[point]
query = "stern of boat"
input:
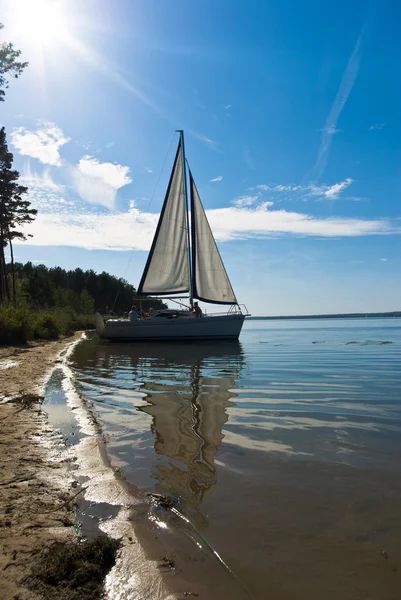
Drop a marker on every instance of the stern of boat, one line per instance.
(99, 323)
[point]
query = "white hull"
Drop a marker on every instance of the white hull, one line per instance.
(219, 327)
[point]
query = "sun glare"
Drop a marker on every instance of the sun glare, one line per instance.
(41, 22)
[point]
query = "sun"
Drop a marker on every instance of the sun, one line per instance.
(41, 22)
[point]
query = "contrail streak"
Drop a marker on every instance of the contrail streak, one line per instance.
(330, 128)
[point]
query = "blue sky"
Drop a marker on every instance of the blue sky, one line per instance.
(292, 118)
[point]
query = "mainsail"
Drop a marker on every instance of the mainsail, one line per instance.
(167, 267)
(210, 281)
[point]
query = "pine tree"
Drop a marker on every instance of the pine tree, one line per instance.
(15, 211)
(9, 64)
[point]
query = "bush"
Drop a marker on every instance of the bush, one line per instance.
(79, 322)
(19, 325)
(16, 325)
(48, 326)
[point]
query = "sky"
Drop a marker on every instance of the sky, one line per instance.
(292, 121)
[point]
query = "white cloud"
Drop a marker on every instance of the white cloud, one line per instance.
(383, 259)
(43, 144)
(98, 182)
(45, 194)
(228, 106)
(376, 126)
(279, 188)
(219, 178)
(331, 192)
(108, 231)
(114, 175)
(42, 181)
(232, 223)
(243, 201)
(149, 170)
(134, 229)
(65, 220)
(265, 204)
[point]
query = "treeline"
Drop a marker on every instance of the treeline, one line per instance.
(395, 313)
(82, 291)
(52, 301)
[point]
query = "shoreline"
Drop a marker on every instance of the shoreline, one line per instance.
(35, 479)
(38, 487)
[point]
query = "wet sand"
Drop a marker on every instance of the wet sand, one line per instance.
(34, 477)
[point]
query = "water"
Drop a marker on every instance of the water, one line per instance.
(283, 449)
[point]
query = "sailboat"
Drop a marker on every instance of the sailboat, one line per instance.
(183, 259)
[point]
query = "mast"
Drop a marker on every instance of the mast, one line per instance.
(184, 175)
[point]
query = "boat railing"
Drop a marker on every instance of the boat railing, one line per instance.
(235, 309)
(245, 311)
(238, 308)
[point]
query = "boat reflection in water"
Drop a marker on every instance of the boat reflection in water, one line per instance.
(188, 421)
(185, 389)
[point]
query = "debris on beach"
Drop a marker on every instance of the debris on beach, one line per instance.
(74, 570)
(168, 563)
(163, 501)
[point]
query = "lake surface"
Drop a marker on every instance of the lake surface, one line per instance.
(284, 449)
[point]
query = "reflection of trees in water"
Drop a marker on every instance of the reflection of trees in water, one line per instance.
(188, 416)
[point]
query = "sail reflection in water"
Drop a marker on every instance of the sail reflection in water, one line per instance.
(188, 422)
(162, 409)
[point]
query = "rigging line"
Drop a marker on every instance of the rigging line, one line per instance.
(147, 208)
(152, 196)
(162, 169)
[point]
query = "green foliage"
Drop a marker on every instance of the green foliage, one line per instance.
(14, 209)
(9, 64)
(38, 290)
(78, 290)
(20, 325)
(47, 326)
(16, 325)
(86, 303)
(15, 212)
(81, 322)
(54, 302)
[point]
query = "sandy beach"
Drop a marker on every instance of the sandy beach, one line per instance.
(34, 481)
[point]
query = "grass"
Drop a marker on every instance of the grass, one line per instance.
(73, 570)
(20, 325)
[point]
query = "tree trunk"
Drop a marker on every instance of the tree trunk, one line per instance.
(2, 291)
(5, 289)
(3, 275)
(12, 268)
